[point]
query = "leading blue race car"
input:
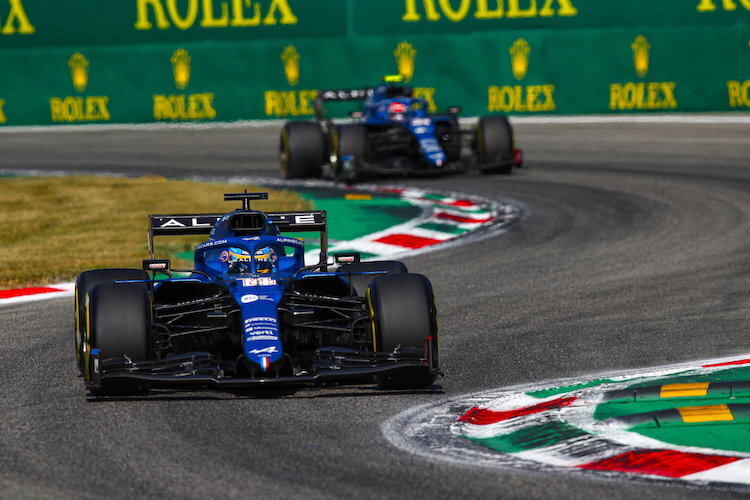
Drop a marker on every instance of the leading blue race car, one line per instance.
(393, 134)
(251, 313)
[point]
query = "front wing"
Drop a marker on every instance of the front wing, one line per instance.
(330, 364)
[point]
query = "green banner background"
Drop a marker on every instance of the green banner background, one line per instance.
(577, 56)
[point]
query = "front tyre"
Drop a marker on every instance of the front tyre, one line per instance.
(493, 144)
(85, 282)
(119, 325)
(402, 309)
(301, 150)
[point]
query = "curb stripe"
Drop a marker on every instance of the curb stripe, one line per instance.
(728, 363)
(482, 416)
(459, 218)
(667, 463)
(407, 240)
(21, 292)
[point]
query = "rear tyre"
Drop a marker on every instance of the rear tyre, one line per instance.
(360, 282)
(349, 144)
(301, 150)
(403, 314)
(120, 326)
(493, 144)
(84, 283)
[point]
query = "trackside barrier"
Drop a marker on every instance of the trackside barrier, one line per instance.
(221, 60)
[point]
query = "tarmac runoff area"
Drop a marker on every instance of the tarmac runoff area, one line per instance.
(380, 222)
(679, 423)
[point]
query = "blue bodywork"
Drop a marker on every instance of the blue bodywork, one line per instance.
(390, 105)
(250, 312)
(257, 293)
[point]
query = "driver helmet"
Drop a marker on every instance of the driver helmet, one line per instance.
(237, 259)
(397, 111)
(265, 260)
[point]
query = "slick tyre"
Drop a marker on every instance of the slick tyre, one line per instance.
(360, 282)
(120, 326)
(84, 283)
(402, 310)
(349, 141)
(301, 150)
(493, 144)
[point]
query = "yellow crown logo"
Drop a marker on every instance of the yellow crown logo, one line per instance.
(79, 71)
(641, 49)
(519, 58)
(405, 54)
(181, 68)
(290, 56)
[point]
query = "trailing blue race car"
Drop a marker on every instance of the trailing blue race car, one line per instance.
(393, 134)
(251, 313)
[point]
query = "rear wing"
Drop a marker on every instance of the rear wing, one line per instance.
(344, 94)
(286, 222)
(339, 95)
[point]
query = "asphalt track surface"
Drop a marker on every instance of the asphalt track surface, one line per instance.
(634, 252)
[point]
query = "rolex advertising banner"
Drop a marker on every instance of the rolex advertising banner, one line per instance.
(132, 61)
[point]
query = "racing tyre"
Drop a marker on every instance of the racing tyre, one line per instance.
(403, 315)
(493, 144)
(349, 143)
(84, 283)
(301, 150)
(120, 325)
(360, 282)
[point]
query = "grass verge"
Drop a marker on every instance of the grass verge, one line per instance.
(55, 227)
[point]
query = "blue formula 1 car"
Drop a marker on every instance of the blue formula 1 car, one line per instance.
(251, 313)
(393, 134)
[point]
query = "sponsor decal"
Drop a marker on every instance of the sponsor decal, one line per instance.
(261, 328)
(290, 57)
(290, 102)
(16, 20)
(405, 55)
(642, 95)
(266, 351)
(255, 337)
(521, 98)
(435, 10)
(224, 256)
(257, 281)
(192, 222)
(79, 108)
(712, 5)
(209, 244)
(164, 15)
(739, 94)
(247, 299)
(291, 241)
(176, 107)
